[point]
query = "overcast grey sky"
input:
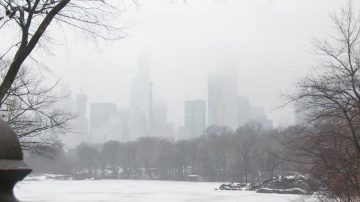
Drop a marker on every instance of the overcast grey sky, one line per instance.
(267, 40)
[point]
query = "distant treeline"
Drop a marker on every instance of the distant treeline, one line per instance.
(248, 154)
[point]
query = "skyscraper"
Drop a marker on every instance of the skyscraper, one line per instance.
(102, 116)
(141, 103)
(82, 123)
(195, 117)
(258, 114)
(244, 110)
(223, 99)
(159, 123)
(81, 101)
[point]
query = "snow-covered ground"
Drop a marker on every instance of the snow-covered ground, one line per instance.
(138, 191)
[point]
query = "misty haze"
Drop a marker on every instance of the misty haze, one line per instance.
(172, 100)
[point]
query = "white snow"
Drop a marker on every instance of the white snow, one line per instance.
(47, 177)
(138, 191)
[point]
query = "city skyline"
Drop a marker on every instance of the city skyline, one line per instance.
(98, 122)
(184, 61)
(261, 94)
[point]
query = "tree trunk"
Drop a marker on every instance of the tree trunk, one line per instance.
(26, 48)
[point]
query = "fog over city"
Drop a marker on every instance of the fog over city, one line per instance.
(136, 100)
(269, 42)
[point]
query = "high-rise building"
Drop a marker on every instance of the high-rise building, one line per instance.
(266, 123)
(102, 119)
(82, 123)
(195, 117)
(158, 119)
(123, 115)
(159, 123)
(81, 101)
(258, 114)
(141, 103)
(244, 110)
(223, 99)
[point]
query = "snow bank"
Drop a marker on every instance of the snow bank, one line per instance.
(294, 183)
(42, 177)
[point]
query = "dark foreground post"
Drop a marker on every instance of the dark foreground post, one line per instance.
(12, 166)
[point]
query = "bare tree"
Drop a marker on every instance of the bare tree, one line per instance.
(246, 138)
(88, 158)
(30, 109)
(330, 141)
(269, 152)
(31, 19)
(110, 152)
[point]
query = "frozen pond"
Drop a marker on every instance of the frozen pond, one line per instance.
(137, 191)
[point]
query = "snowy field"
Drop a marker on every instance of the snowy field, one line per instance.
(138, 191)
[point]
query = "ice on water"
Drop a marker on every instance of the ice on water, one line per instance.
(138, 191)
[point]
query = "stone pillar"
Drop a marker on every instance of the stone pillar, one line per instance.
(12, 166)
